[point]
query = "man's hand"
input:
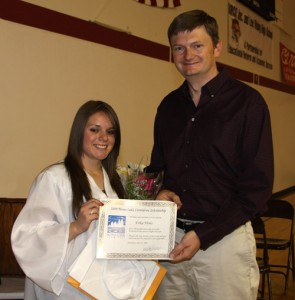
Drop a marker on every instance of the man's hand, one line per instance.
(187, 248)
(169, 195)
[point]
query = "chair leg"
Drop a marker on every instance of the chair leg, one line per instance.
(289, 262)
(262, 285)
(269, 287)
(286, 281)
(293, 262)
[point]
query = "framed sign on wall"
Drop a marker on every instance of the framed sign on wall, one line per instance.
(264, 8)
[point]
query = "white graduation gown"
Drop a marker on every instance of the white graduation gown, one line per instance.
(40, 235)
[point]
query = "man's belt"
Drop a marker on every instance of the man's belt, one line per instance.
(187, 225)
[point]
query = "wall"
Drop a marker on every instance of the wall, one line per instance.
(46, 76)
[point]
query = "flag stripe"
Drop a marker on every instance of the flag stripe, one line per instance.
(176, 3)
(161, 3)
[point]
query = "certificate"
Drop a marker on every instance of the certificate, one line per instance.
(136, 229)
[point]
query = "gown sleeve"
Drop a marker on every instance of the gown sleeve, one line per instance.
(40, 233)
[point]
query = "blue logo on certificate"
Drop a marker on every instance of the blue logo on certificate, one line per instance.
(116, 225)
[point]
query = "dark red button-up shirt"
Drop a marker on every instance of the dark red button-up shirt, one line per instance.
(217, 157)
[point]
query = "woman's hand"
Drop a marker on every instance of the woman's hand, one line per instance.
(89, 212)
(169, 195)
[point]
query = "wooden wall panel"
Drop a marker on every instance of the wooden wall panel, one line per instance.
(9, 210)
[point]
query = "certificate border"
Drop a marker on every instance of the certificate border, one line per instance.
(145, 203)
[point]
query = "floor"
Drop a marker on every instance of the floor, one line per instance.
(277, 280)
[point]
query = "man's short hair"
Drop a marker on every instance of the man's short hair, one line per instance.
(190, 20)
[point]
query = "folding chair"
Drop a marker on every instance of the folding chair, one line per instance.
(281, 209)
(262, 261)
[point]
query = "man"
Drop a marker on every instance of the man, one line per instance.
(212, 139)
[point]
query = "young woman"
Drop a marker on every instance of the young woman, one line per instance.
(64, 201)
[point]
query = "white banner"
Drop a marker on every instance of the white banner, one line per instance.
(249, 37)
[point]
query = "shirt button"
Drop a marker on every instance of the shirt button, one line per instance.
(186, 166)
(184, 190)
(212, 96)
(187, 141)
(193, 119)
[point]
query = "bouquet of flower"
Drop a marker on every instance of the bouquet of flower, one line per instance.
(138, 184)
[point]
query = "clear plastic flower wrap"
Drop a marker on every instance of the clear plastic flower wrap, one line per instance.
(138, 184)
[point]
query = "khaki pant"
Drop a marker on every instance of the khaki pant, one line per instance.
(225, 271)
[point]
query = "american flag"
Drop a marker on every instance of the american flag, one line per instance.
(161, 3)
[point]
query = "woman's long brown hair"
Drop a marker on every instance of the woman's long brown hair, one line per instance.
(73, 163)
